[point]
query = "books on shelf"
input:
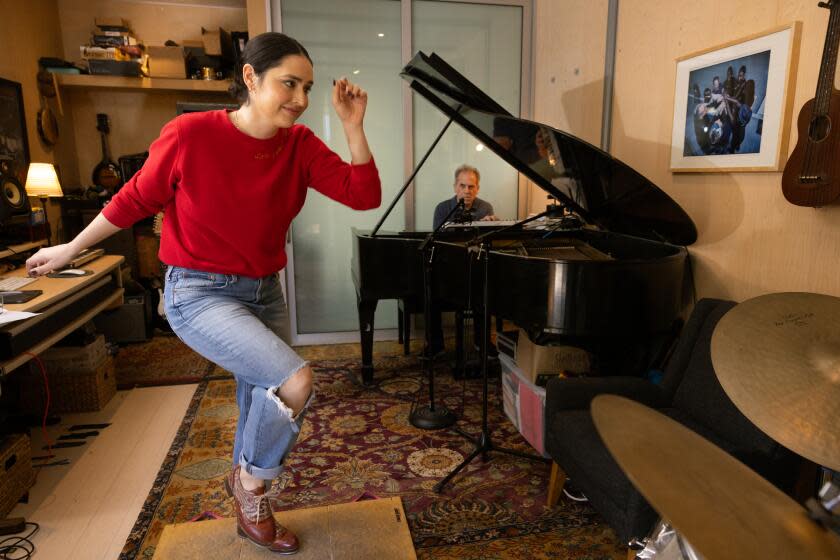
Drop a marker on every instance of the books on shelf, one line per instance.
(111, 53)
(113, 49)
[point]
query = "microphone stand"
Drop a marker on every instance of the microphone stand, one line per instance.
(431, 417)
(483, 442)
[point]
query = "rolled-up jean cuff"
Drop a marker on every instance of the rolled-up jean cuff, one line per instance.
(257, 472)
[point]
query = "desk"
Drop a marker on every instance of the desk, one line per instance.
(65, 305)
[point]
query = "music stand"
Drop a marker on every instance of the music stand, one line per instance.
(483, 442)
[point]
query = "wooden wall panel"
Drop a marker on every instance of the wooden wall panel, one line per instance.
(752, 241)
(28, 31)
(568, 82)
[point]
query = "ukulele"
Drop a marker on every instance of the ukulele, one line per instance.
(812, 173)
(106, 174)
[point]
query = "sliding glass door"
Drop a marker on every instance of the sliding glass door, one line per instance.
(369, 41)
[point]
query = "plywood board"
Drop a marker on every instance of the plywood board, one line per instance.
(357, 530)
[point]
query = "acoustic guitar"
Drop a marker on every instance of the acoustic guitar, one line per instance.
(106, 174)
(812, 174)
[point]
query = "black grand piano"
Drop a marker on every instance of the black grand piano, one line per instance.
(612, 277)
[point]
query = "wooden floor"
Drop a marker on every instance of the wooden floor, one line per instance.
(87, 508)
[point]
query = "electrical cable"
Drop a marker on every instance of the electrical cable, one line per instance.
(22, 547)
(47, 405)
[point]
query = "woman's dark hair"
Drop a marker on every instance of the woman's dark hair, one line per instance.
(263, 52)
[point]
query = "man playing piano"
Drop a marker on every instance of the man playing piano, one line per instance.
(467, 180)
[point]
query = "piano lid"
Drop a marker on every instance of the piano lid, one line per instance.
(601, 189)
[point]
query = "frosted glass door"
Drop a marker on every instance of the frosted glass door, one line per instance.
(359, 40)
(484, 43)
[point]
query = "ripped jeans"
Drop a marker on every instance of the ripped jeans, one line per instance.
(236, 322)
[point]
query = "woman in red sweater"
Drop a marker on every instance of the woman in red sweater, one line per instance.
(230, 184)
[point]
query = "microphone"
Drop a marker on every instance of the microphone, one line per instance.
(460, 212)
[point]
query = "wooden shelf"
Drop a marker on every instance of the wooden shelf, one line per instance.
(13, 249)
(140, 84)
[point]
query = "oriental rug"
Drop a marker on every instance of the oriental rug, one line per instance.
(357, 443)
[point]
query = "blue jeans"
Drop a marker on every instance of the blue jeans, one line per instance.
(236, 322)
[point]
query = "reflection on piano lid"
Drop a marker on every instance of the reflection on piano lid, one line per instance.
(602, 190)
(479, 224)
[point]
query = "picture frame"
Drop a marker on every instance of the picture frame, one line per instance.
(14, 142)
(733, 104)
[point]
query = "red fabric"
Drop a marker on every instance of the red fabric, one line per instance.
(229, 198)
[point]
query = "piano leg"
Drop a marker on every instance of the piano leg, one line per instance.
(367, 309)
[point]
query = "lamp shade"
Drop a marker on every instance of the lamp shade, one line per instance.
(42, 180)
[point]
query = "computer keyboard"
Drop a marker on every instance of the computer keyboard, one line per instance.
(12, 283)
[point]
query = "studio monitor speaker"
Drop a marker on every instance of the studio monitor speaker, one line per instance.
(13, 199)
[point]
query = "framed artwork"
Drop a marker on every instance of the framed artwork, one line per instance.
(14, 144)
(733, 104)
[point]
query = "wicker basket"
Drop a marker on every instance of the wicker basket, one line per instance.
(16, 473)
(60, 359)
(71, 391)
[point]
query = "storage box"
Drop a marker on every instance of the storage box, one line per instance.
(167, 62)
(16, 473)
(524, 404)
(110, 22)
(70, 391)
(217, 42)
(538, 363)
(61, 359)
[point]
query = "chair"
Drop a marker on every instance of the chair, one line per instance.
(689, 393)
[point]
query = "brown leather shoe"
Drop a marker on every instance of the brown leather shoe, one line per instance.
(255, 520)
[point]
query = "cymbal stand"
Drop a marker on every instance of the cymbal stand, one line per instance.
(826, 509)
(483, 442)
(431, 417)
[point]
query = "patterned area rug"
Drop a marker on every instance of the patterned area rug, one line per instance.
(163, 360)
(357, 443)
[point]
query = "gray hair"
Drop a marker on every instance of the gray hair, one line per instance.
(469, 168)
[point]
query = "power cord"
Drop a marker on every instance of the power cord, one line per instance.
(47, 405)
(19, 548)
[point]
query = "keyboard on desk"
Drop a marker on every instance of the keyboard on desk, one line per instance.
(12, 283)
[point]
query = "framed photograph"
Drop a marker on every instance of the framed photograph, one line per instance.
(14, 144)
(733, 104)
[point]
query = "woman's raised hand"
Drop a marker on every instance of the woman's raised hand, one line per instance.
(350, 102)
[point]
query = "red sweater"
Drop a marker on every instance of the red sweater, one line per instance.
(229, 198)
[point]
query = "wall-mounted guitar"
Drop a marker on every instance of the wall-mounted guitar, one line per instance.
(812, 174)
(106, 174)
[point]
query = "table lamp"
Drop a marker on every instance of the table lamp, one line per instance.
(42, 181)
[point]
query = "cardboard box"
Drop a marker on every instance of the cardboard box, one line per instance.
(538, 362)
(167, 62)
(110, 22)
(217, 43)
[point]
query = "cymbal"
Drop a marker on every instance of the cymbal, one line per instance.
(777, 356)
(724, 509)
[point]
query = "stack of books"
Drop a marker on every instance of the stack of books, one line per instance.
(113, 49)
